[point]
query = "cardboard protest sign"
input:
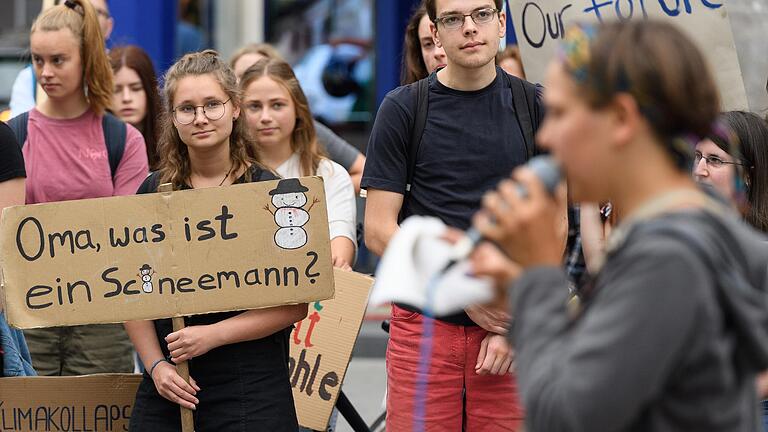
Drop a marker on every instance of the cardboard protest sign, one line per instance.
(164, 255)
(91, 403)
(539, 24)
(321, 346)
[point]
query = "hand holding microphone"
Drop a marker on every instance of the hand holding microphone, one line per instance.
(525, 217)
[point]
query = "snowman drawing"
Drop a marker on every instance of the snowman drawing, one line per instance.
(146, 273)
(289, 198)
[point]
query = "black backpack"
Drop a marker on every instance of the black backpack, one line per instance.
(523, 98)
(114, 135)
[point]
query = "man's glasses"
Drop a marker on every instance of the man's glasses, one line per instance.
(186, 114)
(713, 161)
(456, 21)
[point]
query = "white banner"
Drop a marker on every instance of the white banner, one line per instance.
(539, 24)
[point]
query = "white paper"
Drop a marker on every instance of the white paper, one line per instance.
(413, 261)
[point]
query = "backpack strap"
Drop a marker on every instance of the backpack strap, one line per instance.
(524, 100)
(728, 275)
(115, 132)
(417, 131)
(19, 126)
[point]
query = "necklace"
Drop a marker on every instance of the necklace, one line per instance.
(221, 183)
(226, 176)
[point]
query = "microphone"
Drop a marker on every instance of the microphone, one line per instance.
(546, 169)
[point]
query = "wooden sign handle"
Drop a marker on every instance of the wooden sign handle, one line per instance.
(187, 420)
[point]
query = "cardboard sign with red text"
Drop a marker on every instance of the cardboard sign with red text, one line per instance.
(321, 346)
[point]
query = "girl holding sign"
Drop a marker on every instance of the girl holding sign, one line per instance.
(278, 117)
(239, 360)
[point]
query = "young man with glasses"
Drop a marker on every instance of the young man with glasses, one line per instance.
(471, 140)
(24, 91)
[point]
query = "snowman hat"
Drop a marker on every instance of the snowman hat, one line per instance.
(145, 267)
(286, 186)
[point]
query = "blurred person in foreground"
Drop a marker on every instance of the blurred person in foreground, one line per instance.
(658, 342)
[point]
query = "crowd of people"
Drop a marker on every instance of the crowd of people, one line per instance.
(666, 207)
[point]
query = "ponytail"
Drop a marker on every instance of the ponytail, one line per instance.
(80, 17)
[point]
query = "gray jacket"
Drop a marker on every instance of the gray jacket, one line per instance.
(658, 344)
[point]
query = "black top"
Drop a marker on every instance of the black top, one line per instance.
(152, 182)
(11, 160)
(164, 327)
(471, 141)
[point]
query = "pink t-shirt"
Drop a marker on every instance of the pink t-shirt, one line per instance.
(67, 160)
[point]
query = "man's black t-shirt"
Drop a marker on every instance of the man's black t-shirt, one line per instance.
(11, 160)
(472, 140)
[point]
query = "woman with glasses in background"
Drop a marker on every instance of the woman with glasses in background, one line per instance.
(740, 174)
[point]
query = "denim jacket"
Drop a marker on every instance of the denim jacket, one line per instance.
(16, 358)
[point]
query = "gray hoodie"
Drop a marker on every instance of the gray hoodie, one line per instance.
(660, 342)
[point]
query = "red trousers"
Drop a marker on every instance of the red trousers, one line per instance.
(457, 398)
